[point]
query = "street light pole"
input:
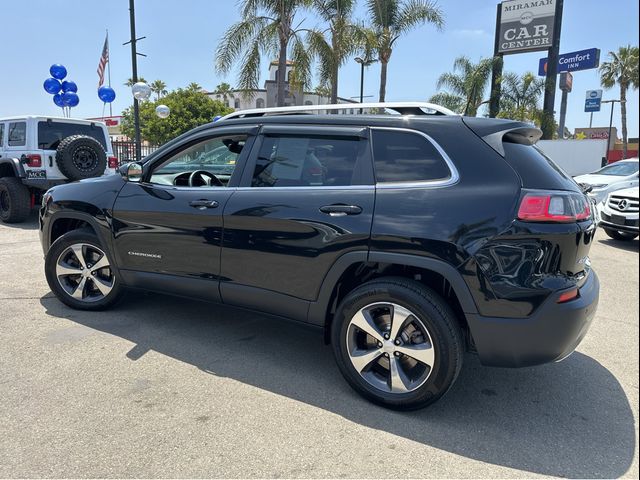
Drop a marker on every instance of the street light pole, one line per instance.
(364, 62)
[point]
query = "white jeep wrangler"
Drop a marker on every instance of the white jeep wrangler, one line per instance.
(37, 153)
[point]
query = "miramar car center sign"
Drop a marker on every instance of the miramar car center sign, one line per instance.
(526, 25)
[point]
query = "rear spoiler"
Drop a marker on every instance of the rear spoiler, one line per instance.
(494, 132)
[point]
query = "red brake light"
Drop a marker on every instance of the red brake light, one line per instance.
(34, 160)
(113, 162)
(553, 206)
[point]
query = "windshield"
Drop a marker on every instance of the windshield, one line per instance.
(620, 169)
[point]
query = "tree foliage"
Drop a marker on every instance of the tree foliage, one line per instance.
(390, 20)
(520, 98)
(335, 44)
(189, 109)
(622, 69)
(266, 28)
(466, 85)
(159, 88)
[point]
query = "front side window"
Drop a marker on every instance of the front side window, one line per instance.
(208, 163)
(407, 157)
(299, 161)
(17, 134)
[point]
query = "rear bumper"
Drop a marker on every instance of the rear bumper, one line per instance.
(549, 335)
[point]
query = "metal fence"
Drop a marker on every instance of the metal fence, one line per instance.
(126, 151)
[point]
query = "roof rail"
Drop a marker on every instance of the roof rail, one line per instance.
(402, 108)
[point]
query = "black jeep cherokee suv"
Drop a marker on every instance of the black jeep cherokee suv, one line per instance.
(408, 239)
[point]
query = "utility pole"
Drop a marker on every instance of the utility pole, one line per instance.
(552, 72)
(134, 76)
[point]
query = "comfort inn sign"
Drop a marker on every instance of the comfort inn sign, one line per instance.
(526, 25)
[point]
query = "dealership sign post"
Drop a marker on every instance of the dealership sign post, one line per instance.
(528, 26)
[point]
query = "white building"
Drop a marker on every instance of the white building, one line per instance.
(266, 97)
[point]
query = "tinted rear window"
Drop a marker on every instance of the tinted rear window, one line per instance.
(51, 133)
(407, 157)
(536, 169)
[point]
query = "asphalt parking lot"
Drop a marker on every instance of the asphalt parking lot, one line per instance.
(167, 387)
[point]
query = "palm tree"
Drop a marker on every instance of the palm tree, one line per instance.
(390, 19)
(449, 100)
(267, 27)
(130, 82)
(335, 44)
(622, 68)
(521, 97)
(194, 87)
(159, 88)
(469, 85)
(225, 91)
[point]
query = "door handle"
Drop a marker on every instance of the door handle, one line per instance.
(339, 210)
(203, 203)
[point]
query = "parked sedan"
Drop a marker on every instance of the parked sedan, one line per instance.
(615, 176)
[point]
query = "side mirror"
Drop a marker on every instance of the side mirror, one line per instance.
(131, 172)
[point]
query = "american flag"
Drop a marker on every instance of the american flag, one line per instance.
(104, 59)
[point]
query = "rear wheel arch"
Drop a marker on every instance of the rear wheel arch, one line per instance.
(355, 268)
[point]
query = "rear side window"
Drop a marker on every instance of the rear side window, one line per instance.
(17, 134)
(407, 157)
(299, 161)
(535, 169)
(1, 135)
(51, 133)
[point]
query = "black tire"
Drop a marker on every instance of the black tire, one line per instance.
(80, 156)
(435, 315)
(61, 287)
(618, 235)
(15, 200)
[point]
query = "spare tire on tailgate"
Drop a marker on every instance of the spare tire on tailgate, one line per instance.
(80, 156)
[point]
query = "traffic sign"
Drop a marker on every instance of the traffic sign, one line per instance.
(593, 101)
(574, 61)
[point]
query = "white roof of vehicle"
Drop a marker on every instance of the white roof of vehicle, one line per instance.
(49, 117)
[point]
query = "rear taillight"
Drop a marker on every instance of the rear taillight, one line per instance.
(113, 162)
(33, 160)
(553, 206)
(568, 296)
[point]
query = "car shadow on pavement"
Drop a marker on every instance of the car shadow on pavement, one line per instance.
(570, 419)
(31, 223)
(629, 246)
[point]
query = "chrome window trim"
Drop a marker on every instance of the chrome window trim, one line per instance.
(308, 187)
(452, 180)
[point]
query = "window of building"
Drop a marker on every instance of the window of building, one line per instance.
(260, 103)
(236, 103)
(407, 157)
(296, 161)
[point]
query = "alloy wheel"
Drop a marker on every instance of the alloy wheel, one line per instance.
(84, 272)
(390, 347)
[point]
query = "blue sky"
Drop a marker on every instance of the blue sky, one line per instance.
(182, 37)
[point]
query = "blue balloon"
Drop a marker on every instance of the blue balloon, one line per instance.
(52, 86)
(70, 99)
(69, 86)
(58, 100)
(58, 71)
(106, 94)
